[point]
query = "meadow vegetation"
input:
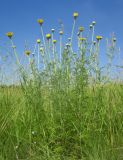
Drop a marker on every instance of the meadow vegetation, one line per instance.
(66, 106)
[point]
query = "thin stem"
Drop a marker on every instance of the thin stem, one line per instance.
(38, 56)
(44, 62)
(52, 37)
(42, 32)
(93, 33)
(15, 53)
(54, 58)
(92, 39)
(48, 50)
(97, 61)
(60, 48)
(34, 51)
(73, 31)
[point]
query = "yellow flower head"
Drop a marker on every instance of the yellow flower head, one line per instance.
(9, 34)
(54, 41)
(81, 29)
(27, 52)
(99, 38)
(41, 49)
(75, 15)
(48, 36)
(82, 39)
(40, 21)
(61, 32)
(38, 41)
(13, 47)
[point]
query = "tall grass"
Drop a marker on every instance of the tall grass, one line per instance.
(66, 106)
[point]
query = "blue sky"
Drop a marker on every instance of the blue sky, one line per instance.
(20, 16)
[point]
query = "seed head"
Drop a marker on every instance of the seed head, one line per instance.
(81, 29)
(67, 45)
(41, 49)
(75, 15)
(91, 26)
(52, 30)
(9, 34)
(114, 39)
(38, 41)
(69, 39)
(27, 52)
(40, 21)
(13, 47)
(54, 41)
(94, 42)
(61, 32)
(99, 38)
(93, 23)
(82, 39)
(48, 36)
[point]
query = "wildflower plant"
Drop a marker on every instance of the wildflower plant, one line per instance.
(63, 109)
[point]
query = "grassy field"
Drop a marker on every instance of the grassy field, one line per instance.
(59, 123)
(65, 107)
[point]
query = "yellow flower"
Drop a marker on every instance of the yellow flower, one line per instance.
(9, 34)
(27, 52)
(54, 41)
(98, 38)
(75, 15)
(38, 41)
(13, 47)
(82, 39)
(48, 36)
(81, 29)
(61, 32)
(41, 49)
(40, 21)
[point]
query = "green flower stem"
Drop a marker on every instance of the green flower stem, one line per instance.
(97, 62)
(74, 22)
(44, 62)
(92, 39)
(54, 58)
(52, 37)
(42, 32)
(60, 57)
(15, 53)
(48, 50)
(38, 56)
